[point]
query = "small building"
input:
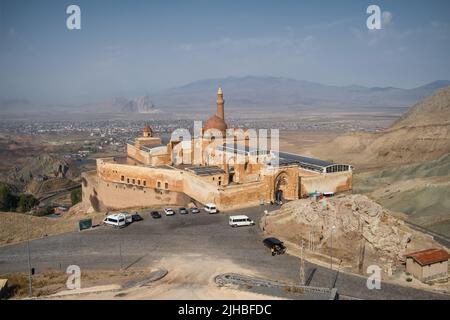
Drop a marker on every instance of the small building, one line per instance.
(428, 264)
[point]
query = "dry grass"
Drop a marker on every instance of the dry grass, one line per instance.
(13, 227)
(51, 282)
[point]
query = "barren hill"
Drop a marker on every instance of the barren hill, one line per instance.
(422, 134)
(419, 190)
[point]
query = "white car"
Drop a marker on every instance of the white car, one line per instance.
(210, 208)
(169, 211)
(118, 220)
(239, 221)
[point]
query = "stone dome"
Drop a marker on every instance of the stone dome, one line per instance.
(215, 122)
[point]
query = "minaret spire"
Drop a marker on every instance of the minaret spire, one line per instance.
(220, 104)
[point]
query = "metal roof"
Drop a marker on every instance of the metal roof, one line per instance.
(306, 160)
(205, 170)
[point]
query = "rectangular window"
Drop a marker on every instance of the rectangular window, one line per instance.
(128, 180)
(159, 184)
(139, 182)
(166, 185)
(134, 181)
(144, 182)
(122, 178)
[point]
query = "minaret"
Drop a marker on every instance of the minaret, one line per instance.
(220, 102)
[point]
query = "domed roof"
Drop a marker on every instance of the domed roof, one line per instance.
(215, 122)
(148, 129)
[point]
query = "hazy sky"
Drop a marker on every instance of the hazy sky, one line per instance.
(137, 47)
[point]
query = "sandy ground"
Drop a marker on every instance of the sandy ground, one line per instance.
(189, 277)
(301, 141)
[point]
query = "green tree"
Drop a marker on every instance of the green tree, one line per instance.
(44, 211)
(75, 196)
(6, 198)
(26, 202)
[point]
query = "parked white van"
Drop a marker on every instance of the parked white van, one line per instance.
(240, 221)
(118, 220)
(210, 207)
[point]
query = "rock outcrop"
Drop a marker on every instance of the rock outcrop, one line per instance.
(350, 217)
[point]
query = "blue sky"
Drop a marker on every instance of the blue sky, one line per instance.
(127, 48)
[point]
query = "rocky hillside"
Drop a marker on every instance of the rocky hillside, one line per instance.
(422, 191)
(138, 105)
(39, 169)
(422, 134)
(358, 221)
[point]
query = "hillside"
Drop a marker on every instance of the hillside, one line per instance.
(419, 190)
(407, 165)
(422, 134)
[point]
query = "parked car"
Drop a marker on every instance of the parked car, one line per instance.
(210, 208)
(194, 210)
(169, 211)
(275, 246)
(155, 214)
(118, 220)
(183, 211)
(136, 217)
(239, 221)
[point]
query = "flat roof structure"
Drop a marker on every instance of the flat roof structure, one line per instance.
(312, 164)
(306, 160)
(205, 170)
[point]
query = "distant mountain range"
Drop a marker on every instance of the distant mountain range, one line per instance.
(274, 92)
(249, 93)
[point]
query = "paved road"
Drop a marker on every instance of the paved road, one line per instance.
(146, 242)
(47, 198)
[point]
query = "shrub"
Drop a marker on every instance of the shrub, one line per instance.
(6, 198)
(75, 196)
(26, 202)
(45, 211)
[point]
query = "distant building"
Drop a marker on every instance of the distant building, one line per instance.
(428, 264)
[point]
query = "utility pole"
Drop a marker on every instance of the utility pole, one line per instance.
(331, 252)
(30, 285)
(120, 250)
(302, 266)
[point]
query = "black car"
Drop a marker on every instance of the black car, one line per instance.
(136, 217)
(183, 211)
(155, 214)
(275, 246)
